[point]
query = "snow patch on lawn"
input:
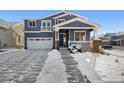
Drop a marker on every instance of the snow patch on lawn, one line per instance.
(85, 67)
(53, 70)
(105, 65)
(116, 52)
(110, 70)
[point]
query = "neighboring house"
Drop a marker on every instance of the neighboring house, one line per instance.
(57, 30)
(110, 36)
(7, 38)
(120, 38)
(19, 30)
(115, 38)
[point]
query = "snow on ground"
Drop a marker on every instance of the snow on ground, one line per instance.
(110, 70)
(85, 67)
(116, 52)
(53, 70)
(9, 50)
(21, 66)
(105, 65)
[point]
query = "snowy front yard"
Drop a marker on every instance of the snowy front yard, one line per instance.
(19, 65)
(104, 65)
(29, 66)
(53, 70)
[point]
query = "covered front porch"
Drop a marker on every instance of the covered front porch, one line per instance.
(73, 31)
(65, 37)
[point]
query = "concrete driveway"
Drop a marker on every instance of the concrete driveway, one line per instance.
(21, 66)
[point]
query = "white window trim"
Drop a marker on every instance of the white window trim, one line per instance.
(29, 23)
(46, 24)
(80, 31)
(61, 16)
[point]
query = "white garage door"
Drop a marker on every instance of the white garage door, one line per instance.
(39, 43)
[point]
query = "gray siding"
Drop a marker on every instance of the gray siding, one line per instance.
(51, 17)
(42, 34)
(67, 17)
(71, 35)
(37, 28)
(76, 24)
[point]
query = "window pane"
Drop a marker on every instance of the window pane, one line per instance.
(77, 36)
(33, 23)
(30, 24)
(44, 24)
(48, 23)
(81, 36)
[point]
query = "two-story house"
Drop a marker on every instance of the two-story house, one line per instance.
(57, 30)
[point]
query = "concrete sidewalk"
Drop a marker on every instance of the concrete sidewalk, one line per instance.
(72, 71)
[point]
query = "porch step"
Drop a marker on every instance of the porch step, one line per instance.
(64, 51)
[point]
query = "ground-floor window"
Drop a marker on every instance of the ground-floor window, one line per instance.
(79, 35)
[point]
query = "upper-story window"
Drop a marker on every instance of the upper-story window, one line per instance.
(32, 23)
(60, 20)
(46, 25)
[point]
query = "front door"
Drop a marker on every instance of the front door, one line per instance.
(62, 39)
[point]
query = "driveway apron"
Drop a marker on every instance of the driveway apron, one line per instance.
(21, 66)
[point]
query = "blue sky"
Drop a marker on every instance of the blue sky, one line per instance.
(111, 20)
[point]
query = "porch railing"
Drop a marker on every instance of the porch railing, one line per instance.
(82, 43)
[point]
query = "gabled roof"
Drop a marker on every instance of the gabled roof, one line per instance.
(53, 14)
(95, 26)
(66, 13)
(110, 34)
(69, 13)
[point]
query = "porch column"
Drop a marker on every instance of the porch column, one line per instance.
(56, 39)
(94, 33)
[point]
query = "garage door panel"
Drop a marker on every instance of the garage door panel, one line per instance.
(40, 43)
